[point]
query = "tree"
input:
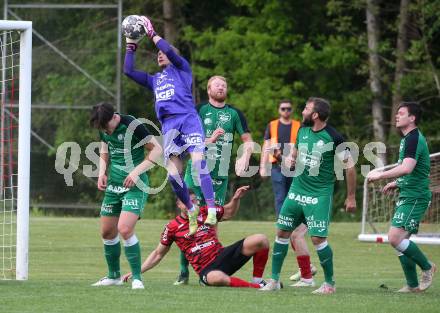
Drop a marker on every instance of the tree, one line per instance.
(372, 11)
(169, 18)
(401, 50)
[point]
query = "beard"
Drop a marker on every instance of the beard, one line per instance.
(217, 96)
(307, 121)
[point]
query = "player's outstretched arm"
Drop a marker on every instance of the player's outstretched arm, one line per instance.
(231, 208)
(405, 168)
(165, 47)
(155, 257)
(142, 78)
(171, 54)
(152, 260)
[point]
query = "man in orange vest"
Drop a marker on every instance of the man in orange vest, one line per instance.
(278, 133)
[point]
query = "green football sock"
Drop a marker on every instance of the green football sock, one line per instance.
(278, 254)
(417, 256)
(326, 259)
(409, 269)
(112, 254)
(183, 263)
(133, 254)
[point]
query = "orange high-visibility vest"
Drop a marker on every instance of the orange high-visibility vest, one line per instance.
(273, 127)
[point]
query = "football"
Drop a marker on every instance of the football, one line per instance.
(133, 27)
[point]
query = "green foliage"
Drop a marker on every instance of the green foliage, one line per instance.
(268, 50)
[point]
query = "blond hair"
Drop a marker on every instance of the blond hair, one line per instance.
(214, 77)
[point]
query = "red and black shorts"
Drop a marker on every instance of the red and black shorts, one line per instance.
(228, 261)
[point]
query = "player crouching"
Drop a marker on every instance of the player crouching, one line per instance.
(212, 262)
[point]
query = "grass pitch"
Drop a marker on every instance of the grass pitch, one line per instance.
(66, 257)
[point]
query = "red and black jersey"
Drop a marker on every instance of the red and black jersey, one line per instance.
(203, 247)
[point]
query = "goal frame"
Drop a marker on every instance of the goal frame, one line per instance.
(381, 237)
(24, 137)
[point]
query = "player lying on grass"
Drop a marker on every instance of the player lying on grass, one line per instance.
(181, 125)
(411, 177)
(212, 262)
(124, 185)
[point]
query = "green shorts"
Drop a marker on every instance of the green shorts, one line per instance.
(409, 213)
(315, 212)
(219, 185)
(117, 198)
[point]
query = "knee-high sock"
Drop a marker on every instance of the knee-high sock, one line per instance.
(279, 252)
(259, 260)
(205, 184)
(325, 255)
(183, 263)
(181, 191)
(133, 254)
(304, 266)
(237, 282)
(411, 250)
(112, 253)
(409, 269)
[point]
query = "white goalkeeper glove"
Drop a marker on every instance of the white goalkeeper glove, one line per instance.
(131, 44)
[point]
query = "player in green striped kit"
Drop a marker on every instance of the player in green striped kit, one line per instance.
(220, 122)
(310, 196)
(123, 143)
(412, 180)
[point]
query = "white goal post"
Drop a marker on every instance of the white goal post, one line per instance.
(378, 210)
(14, 196)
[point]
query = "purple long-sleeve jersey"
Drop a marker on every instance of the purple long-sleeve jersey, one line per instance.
(172, 86)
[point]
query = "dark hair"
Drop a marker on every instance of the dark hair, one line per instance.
(101, 114)
(414, 109)
(284, 101)
(320, 106)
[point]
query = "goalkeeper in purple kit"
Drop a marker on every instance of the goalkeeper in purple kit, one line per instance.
(181, 125)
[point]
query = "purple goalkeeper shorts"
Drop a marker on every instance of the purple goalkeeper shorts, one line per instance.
(182, 133)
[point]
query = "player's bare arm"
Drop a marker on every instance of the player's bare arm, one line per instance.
(155, 257)
(264, 158)
(290, 160)
(231, 208)
(350, 201)
(215, 135)
(242, 163)
(103, 162)
(390, 187)
(405, 168)
(152, 260)
(154, 154)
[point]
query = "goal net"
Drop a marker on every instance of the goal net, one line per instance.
(15, 102)
(378, 210)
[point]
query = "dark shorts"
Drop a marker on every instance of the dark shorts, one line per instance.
(228, 261)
